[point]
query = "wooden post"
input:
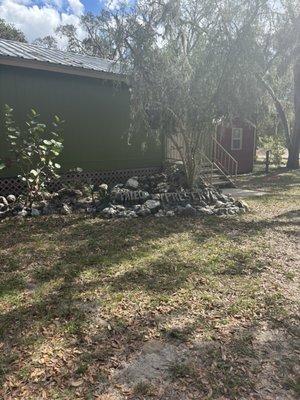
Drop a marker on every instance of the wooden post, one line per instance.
(267, 161)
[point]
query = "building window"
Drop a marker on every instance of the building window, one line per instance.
(237, 139)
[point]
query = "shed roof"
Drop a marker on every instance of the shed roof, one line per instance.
(24, 54)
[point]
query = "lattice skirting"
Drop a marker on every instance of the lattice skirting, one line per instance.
(17, 187)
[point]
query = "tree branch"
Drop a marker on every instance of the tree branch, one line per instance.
(279, 108)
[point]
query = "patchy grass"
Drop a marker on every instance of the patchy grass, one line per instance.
(214, 299)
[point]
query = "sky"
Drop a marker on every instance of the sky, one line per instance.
(38, 18)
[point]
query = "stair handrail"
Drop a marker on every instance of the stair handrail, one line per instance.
(211, 164)
(232, 161)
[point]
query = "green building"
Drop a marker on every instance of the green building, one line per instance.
(90, 94)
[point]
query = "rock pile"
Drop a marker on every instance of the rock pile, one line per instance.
(160, 195)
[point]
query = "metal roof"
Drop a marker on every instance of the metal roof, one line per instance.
(30, 52)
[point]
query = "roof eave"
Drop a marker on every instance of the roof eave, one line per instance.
(47, 66)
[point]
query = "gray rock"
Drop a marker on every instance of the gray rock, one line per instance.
(35, 212)
(3, 207)
(72, 193)
(110, 212)
(219, 204)
(131, 214)
(153, 205)
(119, 207)
(65, 209)
(170, 213)
(91, 210)
(3, 201)
(122, 214)
(242, 204)
(189, 211)
(222, 211)
(82, 204)
(143, 212)
(160, 214)
(206, 211)
(43, 203)
(132, 184)
(155, 196)
(103, 187)
(23, 213)
(11, 198)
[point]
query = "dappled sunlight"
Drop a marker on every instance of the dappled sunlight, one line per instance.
(81, 297)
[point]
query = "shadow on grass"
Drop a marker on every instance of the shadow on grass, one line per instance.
(83, 244)
(279, 179)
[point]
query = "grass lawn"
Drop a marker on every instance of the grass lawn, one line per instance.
(169, 308)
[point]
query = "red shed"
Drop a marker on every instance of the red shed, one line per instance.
(238, 138)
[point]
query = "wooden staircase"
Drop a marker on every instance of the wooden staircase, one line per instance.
(212, 174)
(216, 166)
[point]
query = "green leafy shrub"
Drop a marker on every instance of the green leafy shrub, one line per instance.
(34, 149)
(276, 145)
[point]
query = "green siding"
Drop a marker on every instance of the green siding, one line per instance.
(96, 115)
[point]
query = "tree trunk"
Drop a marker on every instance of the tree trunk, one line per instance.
(294, 148)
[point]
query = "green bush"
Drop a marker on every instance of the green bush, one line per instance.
(276, 145)
(35, 149)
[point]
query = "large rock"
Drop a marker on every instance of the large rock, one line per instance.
(153, 205)
(11, 198)
(70, 193)
(132, 184)
(3, 201)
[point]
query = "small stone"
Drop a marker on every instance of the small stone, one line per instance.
(143, 212)
(65, 209)
(35, 212)
(160, 214)
(132, 183)
(23, 213)
(153, 205)
(119, 207)
(170, 213)
(3, 201)
(132, 214)
(43, 203)
(103, 187)
(122, 214)
(109, 212)
(242, 204)
(91, 210)
(11, 198)
(206, 211)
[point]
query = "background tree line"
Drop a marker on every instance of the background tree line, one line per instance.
(192, 64)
